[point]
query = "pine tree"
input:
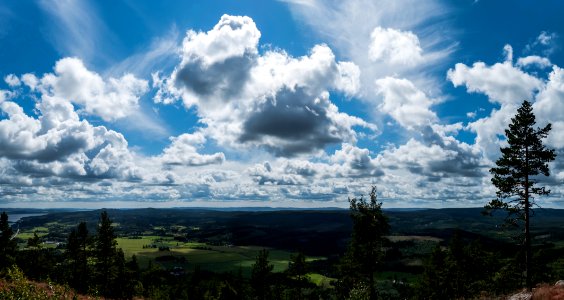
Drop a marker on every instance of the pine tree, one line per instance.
(261, 274)
(106, 253)
(34, 242)
(370, 226)
(8, 245)
(297, 269)
(515, 176)
(77, 253)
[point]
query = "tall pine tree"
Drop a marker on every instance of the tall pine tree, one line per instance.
(370, 226)
(261, 274)
(515, 175)
(8, 245)
(77, 253)
(106, 253)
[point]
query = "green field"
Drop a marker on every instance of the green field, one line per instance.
(191, 255)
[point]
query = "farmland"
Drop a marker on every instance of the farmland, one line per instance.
(228, 241)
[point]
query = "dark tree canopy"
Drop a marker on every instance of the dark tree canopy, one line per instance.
(261, 274)
(106, 252)
(516, 172)
(8, 245)
(365, 251)
(77, 253)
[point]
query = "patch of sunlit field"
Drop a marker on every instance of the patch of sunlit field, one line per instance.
(191, 255)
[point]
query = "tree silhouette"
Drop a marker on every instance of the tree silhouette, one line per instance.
(34, 242)
(297, 269)
(8, 245)
(77, 254)
(106, 253)
(370, 226)
(261, 274)
(521, 161)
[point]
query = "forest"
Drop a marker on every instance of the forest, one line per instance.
(271, 254)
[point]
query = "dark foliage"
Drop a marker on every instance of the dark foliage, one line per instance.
(7, 244)
(515, 175)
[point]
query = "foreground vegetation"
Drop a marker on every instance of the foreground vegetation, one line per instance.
(193, 254)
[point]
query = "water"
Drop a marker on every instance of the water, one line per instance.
(13, 218)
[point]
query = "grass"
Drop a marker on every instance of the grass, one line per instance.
(190, 255)
(320, 280)
(398, 238)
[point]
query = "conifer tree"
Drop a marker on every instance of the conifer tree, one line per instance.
(297, 269)
(34, 242)
(516, 174)
(8, 245)
(261, 274)
(106, 253)
(77, 252)
(370, 226)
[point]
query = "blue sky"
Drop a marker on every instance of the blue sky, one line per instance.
(292, 103)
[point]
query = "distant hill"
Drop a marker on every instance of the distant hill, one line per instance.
(320, 231)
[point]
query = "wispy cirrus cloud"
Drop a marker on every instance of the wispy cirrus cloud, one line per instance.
(76, 30)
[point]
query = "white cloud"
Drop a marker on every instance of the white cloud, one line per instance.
(436, 159)
(348, 80)
(508, 51)
(160, 54)
(357, 161)
(183, 151)
(505, 84)
(75, 29)
(271, 101)
(58, 143)
(501, 82)
(6, 95)
(545, 43)
(109, 99)
(533, 60)
(398, 38)
(546, 38)
(232, 36)
(405, 103)
(549, 106)
(12, 80)
(395, 47)
(30, 80)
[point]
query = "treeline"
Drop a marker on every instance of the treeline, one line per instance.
(90, 263)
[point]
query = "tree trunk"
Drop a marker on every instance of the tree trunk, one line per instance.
(372, 289)
(528, 251)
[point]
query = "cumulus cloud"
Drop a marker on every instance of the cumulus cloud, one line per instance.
(59, 143)
(501, 82)
(110, 99)
(395, 47)
(549, 106)
(271, 101)
(356, 161)
(215, 64)
(263, 174)
(404, 102)
(384, 38)
(184, 151)
(436, 157)
(12, 80)
(30, 80)
(509, 86)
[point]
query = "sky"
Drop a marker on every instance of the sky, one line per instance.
(288, 103)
